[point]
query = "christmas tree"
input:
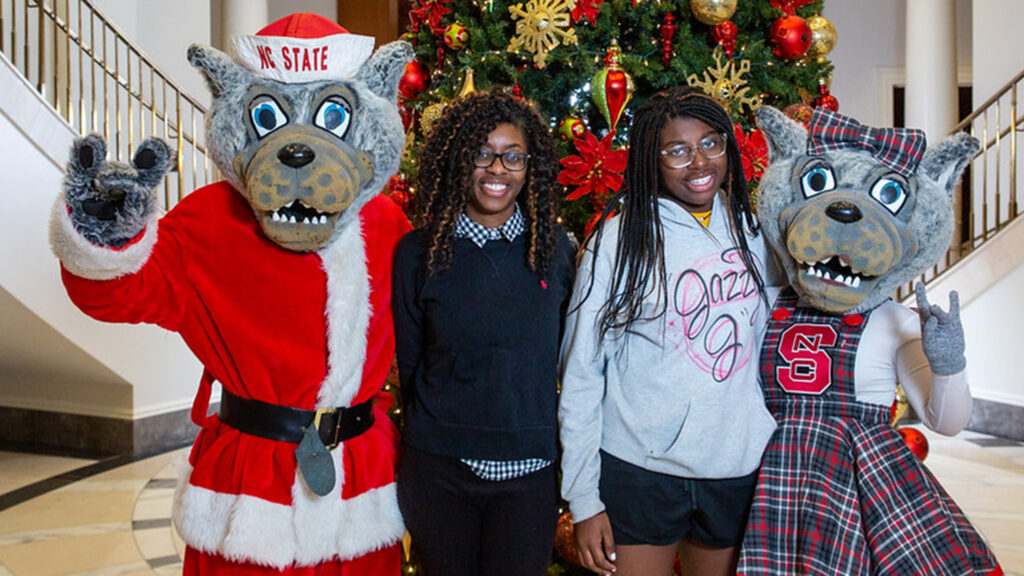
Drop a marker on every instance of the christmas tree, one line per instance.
(588, 63)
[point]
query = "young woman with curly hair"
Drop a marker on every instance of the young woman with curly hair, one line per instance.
(480, 288)
(662, 420)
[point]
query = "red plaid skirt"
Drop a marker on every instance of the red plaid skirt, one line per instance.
(846, 496)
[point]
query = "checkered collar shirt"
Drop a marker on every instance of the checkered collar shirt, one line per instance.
(479, 234)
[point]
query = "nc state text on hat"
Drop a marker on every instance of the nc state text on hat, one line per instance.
(296, 58)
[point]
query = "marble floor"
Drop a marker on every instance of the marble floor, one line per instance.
(64, 516)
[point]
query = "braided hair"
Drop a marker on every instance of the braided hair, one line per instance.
(640, 251)
(445, 175)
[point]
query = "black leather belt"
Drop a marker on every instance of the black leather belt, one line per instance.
(286, 424)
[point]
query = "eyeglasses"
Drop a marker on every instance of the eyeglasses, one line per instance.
(513, 161)
(681, 155)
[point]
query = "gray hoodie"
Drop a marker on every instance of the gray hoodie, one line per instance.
(678, 394)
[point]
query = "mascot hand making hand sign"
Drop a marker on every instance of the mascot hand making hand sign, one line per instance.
(852, 213)
(279, 280)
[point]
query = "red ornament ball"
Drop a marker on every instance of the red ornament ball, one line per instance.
(828, 101)
(565, 541)
(825, 99)
(400, 191)
(916, 441)
(800, 112)
(414, 80)
(790, 37)
(456, 36)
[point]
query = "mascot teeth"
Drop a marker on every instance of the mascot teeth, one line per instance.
(833, 269)
(298, 213)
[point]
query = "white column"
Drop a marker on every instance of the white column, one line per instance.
(242, 18)
(931, 96)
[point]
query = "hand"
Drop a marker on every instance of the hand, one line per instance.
(595, 543)
(942, 334)
(111, 202)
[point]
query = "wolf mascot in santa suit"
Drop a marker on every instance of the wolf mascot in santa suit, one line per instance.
(278, 279)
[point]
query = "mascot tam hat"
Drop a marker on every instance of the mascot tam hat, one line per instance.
(303, 48)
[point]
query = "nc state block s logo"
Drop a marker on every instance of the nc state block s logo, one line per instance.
(809, 366)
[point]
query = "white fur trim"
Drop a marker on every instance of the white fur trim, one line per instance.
(348, 315)
(87, 260)
(315, 530)
(294, 60)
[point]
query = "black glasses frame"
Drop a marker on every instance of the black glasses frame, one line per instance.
(495, 155)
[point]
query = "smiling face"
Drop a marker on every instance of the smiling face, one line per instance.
(494, 189)
(693, 186)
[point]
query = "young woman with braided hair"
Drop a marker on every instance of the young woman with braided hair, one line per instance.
(662, 422)
(480, 290)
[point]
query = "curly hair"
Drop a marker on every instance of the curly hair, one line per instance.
(640, 251)
(444, 177)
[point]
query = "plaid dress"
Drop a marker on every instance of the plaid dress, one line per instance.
(839, 492)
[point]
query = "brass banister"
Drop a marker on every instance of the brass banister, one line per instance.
(989, 186)
(99, 80)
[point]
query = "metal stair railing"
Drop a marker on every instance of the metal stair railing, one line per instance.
(98, 80)
(986, 198)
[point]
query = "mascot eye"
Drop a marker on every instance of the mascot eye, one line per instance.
(889, 193)
(817, 180)
(266, 116)
(334, 116)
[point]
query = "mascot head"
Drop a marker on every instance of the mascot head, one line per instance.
(853, 212)
(304, 123)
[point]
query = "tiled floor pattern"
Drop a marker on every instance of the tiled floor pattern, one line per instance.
(117, 522)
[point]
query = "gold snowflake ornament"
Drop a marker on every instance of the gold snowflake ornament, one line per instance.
(725, 82)
(542, 26)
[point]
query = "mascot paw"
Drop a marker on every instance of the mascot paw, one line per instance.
(942, 334)
(112, 202)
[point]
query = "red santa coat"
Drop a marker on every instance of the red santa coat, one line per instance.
(297, 329)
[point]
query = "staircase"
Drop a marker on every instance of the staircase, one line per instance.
(66, 70)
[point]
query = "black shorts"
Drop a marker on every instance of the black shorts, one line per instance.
(647, 507)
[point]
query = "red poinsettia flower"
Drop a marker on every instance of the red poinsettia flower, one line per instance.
(431, 12)
(753, 152)
(596, 170)
(586, 9)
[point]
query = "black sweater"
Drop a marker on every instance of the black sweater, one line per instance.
(477, 348)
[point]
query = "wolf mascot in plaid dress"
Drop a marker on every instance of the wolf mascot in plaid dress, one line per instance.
(279, 280)
(852, 213)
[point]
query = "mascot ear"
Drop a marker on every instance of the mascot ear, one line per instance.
(88, 155)
(152, 161)
(785, 137)
(384, 69)
(218, 68)
(946, 160)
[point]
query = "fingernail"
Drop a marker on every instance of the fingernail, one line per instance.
(612, 556)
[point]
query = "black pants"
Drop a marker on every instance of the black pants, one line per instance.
(463, 525)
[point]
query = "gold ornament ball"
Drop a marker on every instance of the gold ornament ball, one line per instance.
(430, 117)
(823, 36)
(723, 91)
(713, 12)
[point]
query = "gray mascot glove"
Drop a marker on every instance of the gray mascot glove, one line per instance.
(942, 334)
(111, 202)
